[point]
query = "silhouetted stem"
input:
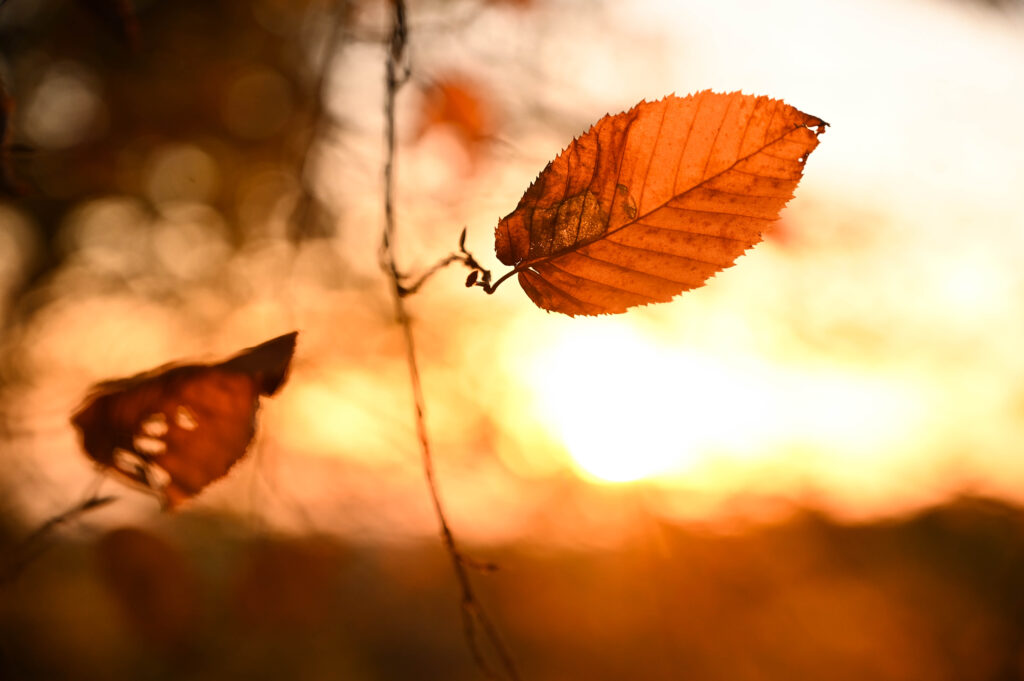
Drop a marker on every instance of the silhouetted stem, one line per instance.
(473, 616)
(492, 287)
(33, 545)
(483, 280)
(407, 290)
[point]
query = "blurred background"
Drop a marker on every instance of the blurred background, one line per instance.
(809, 468)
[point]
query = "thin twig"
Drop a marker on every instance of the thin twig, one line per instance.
(476, 624)
(478, 275)
(33, 545)
(409, 289)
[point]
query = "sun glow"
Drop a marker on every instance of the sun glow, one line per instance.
(628, 408)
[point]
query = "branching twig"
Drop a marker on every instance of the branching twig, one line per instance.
(478, 276)
(476, 623)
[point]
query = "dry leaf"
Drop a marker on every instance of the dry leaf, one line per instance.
(176, 429)
(652, 202)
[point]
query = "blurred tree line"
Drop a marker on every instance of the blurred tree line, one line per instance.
(937, 595)
(187, 101)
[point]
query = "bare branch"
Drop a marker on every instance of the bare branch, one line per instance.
(477, 625)
(34, 545)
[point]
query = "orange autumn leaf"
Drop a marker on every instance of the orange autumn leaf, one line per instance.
(653, 201)
(178, 428)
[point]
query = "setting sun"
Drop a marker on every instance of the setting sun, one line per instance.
(668, 412)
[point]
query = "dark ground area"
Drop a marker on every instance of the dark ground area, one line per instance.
(934, 596)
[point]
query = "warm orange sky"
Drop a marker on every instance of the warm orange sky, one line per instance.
(866, 359)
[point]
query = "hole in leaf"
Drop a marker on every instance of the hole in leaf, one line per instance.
(129, 462)
(149, 445)
(154, 425)
(157, 477)
(185, 419)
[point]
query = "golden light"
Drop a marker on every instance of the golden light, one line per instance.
(629, 407)
(330, 417)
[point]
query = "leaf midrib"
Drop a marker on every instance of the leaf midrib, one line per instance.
(529, 264)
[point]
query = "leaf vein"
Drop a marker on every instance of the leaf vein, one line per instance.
(686, 143)
(650, 157)
(766, 177)
(560, 290)
(768, 128)
(714, 212)
(688, 231)
(718, 132)
(575, 247)
(604, 283)
(748, 195)
(618, 169)
(651, 250)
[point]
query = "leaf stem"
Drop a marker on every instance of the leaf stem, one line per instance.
(490, 289)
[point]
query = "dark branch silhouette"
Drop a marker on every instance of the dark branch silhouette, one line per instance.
(477, 625)
(34, 545)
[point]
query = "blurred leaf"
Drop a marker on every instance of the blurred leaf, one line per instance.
(652, 202)
(460, 105)
(176, 429)
(152, 584)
